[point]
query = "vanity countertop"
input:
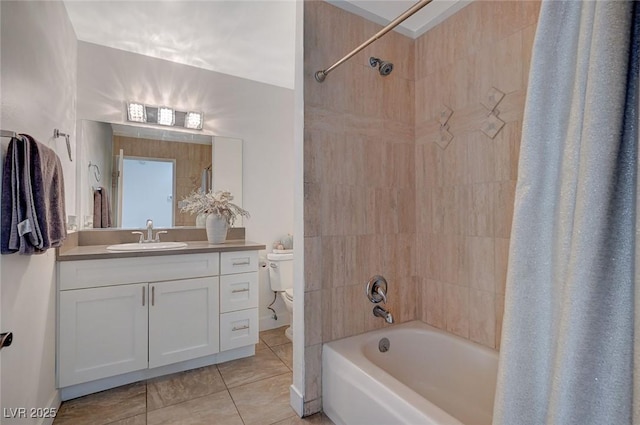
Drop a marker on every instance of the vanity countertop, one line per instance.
(99, 252)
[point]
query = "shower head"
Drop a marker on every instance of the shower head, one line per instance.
(384, 67)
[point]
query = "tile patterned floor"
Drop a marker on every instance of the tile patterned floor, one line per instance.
(249, 391)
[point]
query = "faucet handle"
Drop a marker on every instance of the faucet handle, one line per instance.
(141, 236)
(377, 289)
(158, 233)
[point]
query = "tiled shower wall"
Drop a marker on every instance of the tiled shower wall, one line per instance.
(359, 179)
(382, 197)
(465, 189)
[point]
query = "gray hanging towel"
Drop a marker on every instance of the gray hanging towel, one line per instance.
(33, 210)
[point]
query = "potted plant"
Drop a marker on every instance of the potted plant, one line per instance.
(217, 206)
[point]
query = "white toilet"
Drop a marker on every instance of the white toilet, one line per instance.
(281, 281)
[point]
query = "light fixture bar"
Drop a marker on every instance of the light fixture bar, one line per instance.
(164, 115)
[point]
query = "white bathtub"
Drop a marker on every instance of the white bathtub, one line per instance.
(426, 377)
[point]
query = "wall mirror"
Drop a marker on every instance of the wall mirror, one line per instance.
(127, 174)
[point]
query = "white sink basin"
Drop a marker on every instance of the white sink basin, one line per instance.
(151, 246)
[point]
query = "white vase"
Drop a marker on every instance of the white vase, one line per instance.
(216, 229)
(201, 220)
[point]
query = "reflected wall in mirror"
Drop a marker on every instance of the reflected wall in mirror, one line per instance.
(139, 173)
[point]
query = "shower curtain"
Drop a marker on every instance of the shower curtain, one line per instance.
(570, 352)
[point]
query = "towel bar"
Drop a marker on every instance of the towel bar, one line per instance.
(57, 133)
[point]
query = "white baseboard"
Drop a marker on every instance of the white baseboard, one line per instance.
(296, 400)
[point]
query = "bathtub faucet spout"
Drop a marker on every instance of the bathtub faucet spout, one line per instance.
(381, 312)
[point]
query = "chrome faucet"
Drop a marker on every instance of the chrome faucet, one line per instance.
(149, 230)
(381, 312)
(150, 237)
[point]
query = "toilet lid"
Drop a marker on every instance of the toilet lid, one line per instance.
(289, 294)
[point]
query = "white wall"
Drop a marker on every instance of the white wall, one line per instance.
(97, 148)
(260, 114)
(38, 75)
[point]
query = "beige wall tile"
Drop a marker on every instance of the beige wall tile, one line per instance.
(313, 271)
(406, 199)
(313, 318)
(462, 84)
(456, 309)
(312, 209)
(507, 148)
(369, 253)
(482, 318)
(501, 260)
(397, 99)
(398, 257)
(507, 73)
(499, 315)
(424, 206)
(429, 165)
(313, 363)
(433, 296)
(482, 206)
(339, 260)
(481, 158)
(503, 214)
(403, 165)
(455, 167)
(480, 257)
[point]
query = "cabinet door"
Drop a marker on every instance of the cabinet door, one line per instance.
(103, 332)
(183, 320)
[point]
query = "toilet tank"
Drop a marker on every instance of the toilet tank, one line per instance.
(280, 271)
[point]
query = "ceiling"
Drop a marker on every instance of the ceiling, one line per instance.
(247, 39)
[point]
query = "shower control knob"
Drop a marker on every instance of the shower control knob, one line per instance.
(376, 289)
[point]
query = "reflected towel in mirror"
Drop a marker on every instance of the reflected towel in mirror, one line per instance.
(101, 208)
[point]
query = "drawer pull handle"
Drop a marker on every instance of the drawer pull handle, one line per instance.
(235, 291)
(143, 288)
(153, 296)
(241, 328)
(241, 263)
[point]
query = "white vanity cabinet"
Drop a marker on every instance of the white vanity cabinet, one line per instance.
(125, 314)
(146, 316)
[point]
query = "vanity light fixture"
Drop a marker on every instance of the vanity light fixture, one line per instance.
(136, 112)
(164, 115)
(194, 120)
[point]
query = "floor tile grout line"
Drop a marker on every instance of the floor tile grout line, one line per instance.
(236, 406)
(261, 379)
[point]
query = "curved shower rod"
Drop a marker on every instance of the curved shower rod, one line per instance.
(322, 74)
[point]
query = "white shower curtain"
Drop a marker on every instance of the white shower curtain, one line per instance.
(570, 352)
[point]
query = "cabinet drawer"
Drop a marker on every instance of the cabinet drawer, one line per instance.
(117, 271)
(238, 262)
(238, 329)
(238, 292)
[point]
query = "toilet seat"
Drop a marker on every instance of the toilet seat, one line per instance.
(289, 294)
